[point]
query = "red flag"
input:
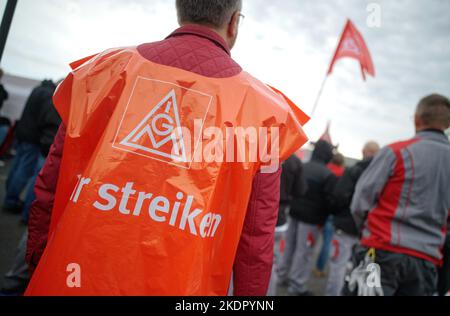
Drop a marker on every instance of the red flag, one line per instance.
(352, 45)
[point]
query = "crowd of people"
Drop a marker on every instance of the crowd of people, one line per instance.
(392, 209)
(32, 137)
(384, 219)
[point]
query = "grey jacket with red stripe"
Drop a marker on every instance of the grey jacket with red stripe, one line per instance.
(402, 201)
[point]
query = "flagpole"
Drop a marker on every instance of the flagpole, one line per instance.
(316, 104)
(6, 24)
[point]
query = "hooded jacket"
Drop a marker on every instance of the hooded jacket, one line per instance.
(315, 205)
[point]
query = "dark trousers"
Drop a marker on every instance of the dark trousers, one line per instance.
(324, 257)
(402, 275)
(444, 272)
(30, 196)
(22, 170)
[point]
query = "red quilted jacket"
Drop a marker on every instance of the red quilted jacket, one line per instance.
(202, 51)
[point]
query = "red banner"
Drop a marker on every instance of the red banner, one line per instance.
(352, 45)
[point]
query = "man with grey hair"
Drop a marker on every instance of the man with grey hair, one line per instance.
(209, 29)
(221, 16)
(402, 204)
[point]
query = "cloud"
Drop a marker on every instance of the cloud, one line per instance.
(410, 52)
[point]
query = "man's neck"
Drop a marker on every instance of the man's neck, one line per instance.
(220, 32)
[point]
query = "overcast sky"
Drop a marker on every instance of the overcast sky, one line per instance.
(286, 43)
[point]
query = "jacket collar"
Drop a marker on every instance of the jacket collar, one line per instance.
(434, 135)
(204, 32)
(432, 130)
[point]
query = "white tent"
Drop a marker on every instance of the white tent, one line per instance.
(18, 89)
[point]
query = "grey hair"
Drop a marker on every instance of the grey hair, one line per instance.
(434, 110)
(214, 13)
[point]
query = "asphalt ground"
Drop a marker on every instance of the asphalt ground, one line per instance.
(11, 230)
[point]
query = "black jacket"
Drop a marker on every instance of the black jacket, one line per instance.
(343, 195)
(3, 95)
(293, 185)
(315, 205)
(48, 125)
(37, 114)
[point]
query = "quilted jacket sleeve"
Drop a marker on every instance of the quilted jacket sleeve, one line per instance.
(254, 259)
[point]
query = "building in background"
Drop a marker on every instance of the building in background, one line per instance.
(19, 90)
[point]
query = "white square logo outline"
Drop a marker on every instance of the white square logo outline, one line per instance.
(152, 157)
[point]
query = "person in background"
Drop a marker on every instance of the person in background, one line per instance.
(444, 271)
(28, 148)
(48, 125)
(308, 215)
(293, 186)
(402, 202)
(16, 280)
(5, 123)
(3, 93)
(337, 166)
(346, 234)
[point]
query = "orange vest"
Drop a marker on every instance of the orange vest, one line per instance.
(145, 205)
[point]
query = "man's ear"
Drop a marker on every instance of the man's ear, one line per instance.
(233, 25)
(417, 122)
